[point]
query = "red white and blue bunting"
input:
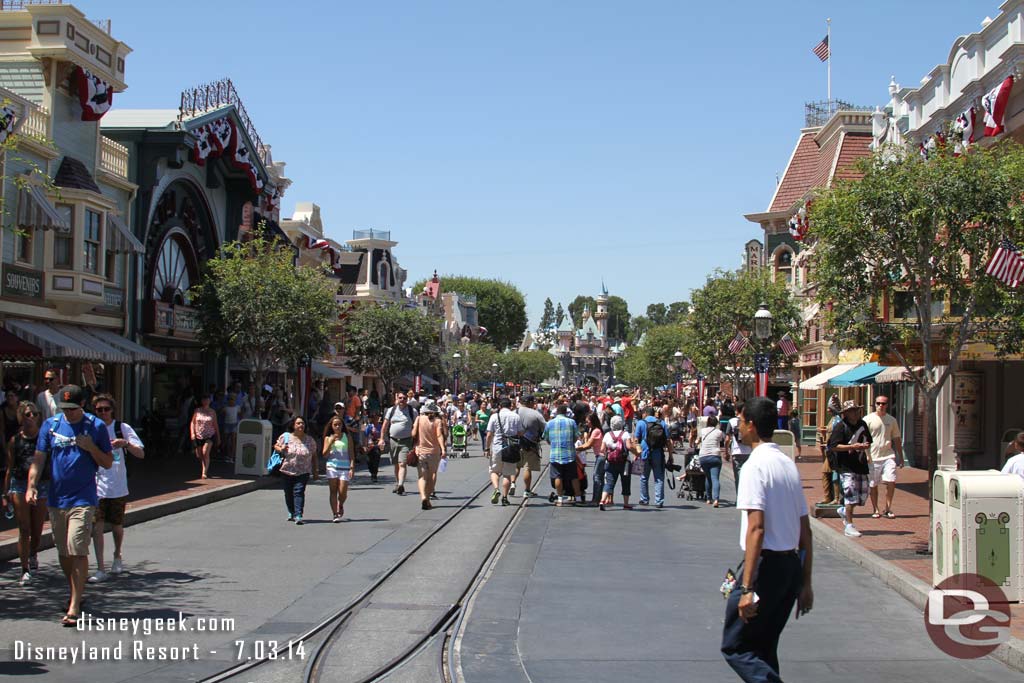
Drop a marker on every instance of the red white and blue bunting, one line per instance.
(221, 138)
(963, 131)
(325, 246)
(994, 104)
(271, 200)
(8, 118)
(94, 94)
(799, 224)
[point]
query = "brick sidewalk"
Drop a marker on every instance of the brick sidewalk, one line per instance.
(158, 481)
(899, 540)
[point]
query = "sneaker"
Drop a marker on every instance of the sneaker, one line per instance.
(401, 490)
(495, 496)
(851, 531)
(291, 518)
(660, 505)
(99, 577)
(841, 511)
(425, 504)
(504, 501)
(529, 494)
(298, 520)
(433, 496)
(33, 563)
(26, 579)
(117, 567)
(551, 497)
(337, 518)
(512, 490)
(373, 480)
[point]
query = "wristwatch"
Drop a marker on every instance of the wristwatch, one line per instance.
(744, 590)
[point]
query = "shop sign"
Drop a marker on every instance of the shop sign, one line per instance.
(22, 282)
(981, 351)
(967, 388)
(914, 354)
(173, 321)
(113, 298)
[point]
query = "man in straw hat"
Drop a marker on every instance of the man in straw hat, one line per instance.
(849, 444)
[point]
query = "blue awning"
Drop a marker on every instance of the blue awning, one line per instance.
(862, 374)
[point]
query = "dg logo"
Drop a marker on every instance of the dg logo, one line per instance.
(967, 616)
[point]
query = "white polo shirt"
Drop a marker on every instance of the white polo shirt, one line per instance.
(770, 482)
(1015, 465)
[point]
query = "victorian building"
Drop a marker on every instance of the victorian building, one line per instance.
(586, 354)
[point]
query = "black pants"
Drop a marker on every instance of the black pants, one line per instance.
(373, 461)
(751, 649)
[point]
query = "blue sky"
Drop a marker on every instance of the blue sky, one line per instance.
(546, 143)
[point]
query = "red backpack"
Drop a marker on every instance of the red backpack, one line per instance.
(616, 453)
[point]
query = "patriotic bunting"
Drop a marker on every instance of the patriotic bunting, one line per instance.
(222, 134)
(221, 138)
(1006, 264)
(963, 128)
(203, 147)
(7, 120)
(701, 386)
(994, 103)
(761, 365)
(798, 224)
(94, 94)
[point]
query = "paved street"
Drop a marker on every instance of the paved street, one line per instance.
(635, 593)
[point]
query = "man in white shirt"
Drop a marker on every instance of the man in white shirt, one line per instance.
(775, 536)
(886, 453)
(1015, 463)
(112, 486)
(46, 400)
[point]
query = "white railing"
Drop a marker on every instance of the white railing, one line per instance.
(113, 157)
(37, 123)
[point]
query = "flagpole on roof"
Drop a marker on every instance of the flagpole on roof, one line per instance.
(828, 35)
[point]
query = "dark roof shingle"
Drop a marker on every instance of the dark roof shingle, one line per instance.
(73, 175)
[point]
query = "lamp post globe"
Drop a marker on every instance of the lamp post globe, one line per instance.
(763, 323)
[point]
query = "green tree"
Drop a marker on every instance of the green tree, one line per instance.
(254, 303)
(918, 234)
(548, 317)
(618, 318)
(559, 314)
(576, 307)
(726, 305)
(478, 363)
(501, 307)
(657, 314)
(528, 367)
(677, 312)
(637, 327)
(652, 364)
(390, 341)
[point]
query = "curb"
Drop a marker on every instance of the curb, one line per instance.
(146, 513)
(913, 589)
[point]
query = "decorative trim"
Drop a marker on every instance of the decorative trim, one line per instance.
(92, 287)
(63, 283)
(48, 28)
(70, 31)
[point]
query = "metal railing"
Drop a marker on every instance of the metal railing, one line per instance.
(15, 5)
(211, 96)
(371, 235)
(113, 157)
(818, 113)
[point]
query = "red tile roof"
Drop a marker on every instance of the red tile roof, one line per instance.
(812, 166)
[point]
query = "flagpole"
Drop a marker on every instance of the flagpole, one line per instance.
(828, 34)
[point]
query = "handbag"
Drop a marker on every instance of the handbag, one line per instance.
(510, 453)
(637, 467)
(411, 459)
(276, 459)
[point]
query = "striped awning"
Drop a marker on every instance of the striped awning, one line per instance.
(36, 211)
(13, 347)
(121, 238)
(58, 340)
(896, 374)
(327, 371)
(822, 378)
(139, 353)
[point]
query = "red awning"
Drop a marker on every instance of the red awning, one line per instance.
(14, 348)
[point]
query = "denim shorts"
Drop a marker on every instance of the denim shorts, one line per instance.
(21, 486)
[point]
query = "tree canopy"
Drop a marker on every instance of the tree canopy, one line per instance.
(547, 318)
(528, 367)
(253, 302)
(500, 305)
(899, 258)
(652, 364)
(389, 341)
(726, 305)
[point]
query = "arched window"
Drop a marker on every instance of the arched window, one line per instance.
(382, 274)
(782, 261)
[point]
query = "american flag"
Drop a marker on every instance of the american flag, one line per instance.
(1006, 264)
(738, 343)
(788, 346)
(821, 49)
(761, 366)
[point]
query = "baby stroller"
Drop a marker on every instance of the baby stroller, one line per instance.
(693, 481)
(459, 441)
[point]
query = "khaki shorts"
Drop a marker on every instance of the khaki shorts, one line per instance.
(428, 463)
(500, 467)
(529, 457)
(399, 450)
(111, 511)
(72, 529)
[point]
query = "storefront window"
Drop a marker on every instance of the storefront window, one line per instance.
(63, 242)
(903, 305)
(93, 223)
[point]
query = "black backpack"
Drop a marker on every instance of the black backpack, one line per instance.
(656, 438)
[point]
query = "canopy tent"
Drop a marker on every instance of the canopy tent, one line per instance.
(822, 378)
(862, 374)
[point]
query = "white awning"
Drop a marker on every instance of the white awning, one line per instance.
(52, 342)
(108, 353)
(36, 211)
(327, 371)
(121, 238)
(822, 378)
(895, 374)
(810, 312)
(139, 353)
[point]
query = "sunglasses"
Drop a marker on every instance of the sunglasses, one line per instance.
(881, 403)
(31, 413)
(50, 379)
(104, 409)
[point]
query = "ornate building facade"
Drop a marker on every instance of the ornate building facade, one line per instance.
(586, 353)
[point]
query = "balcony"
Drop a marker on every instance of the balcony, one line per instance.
(113, 157)
(73, 292)
(36, 123)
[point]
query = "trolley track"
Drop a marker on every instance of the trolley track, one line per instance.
(326, 632)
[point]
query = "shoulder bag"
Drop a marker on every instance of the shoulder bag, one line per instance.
(510, 453)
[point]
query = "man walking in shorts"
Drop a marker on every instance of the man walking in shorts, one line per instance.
(529, 458)
(112, 485)
(849, 443)
(78, 446)
(503, 427)
(561, 433)
(886, 455)
(397, 428)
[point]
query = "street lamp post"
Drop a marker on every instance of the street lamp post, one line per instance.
(457, 358)
(762, 361)
(677, 363)
(494, 381)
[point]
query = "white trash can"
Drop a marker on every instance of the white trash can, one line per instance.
(786, 441)
(253, 446)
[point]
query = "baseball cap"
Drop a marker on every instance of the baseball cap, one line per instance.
(71, 396)
(339, 404)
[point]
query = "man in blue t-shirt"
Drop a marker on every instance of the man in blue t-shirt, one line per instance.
(77, 445)
(654, 459)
